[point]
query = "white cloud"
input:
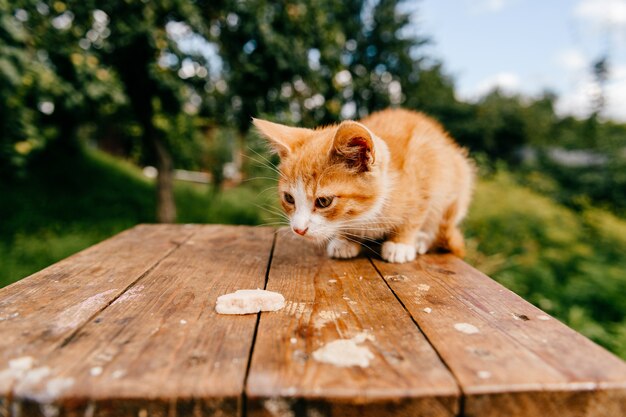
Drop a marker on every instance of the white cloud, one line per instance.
(616, 95)
(572, 60)
(602, 12)
(577, 101)
(488, 6)
(507, 82)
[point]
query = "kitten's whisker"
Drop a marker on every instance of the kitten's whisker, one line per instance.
(360, 243)
(266, 165)
(273, 224)
(260, 178)
(273, 187)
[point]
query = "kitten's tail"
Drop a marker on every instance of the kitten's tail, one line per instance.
(450, 237)
(454, 241)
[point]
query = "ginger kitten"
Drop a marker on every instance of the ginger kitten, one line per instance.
(395, 175)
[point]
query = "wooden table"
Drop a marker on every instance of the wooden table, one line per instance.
(128, 327)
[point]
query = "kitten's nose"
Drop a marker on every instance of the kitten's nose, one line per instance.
(301, 232)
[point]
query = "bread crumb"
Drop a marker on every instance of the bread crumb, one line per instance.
(249, 302)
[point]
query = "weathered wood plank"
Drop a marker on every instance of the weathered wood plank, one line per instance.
(160, 348)
(328, 300)
(39, 312)
(509, 357)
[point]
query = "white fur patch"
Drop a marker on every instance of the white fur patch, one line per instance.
(423, 242)
(397, 253)
(342, 249)
(302, 216)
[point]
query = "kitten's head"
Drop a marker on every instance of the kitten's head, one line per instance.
(332, 179)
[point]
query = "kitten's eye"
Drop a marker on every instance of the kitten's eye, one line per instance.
(323, 202)
(288, 198)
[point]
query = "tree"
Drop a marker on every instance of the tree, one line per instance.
(114, 58)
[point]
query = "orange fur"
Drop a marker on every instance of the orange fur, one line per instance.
(395, 175)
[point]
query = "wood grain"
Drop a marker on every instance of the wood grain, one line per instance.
(39, 312)
(128, 328)
(160, 348)
(509, 357)
(328, 300)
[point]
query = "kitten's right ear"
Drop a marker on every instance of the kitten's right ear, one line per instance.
(283, 139)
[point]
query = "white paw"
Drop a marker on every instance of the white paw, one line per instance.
(423, 242)
(397, 253)
(343, 249)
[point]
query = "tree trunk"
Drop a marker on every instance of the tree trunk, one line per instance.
(166, 206)
(236, 176)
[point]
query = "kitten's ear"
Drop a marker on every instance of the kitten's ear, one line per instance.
(353, 143)
(283, 139)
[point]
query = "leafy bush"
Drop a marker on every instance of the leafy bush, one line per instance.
(570, 265)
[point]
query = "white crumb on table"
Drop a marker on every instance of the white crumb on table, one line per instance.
(428, 310)
(249, 302)
(346, 352)
(22, 364)
(95, 371)
(466, 328)
(117, 374)
(543, 317)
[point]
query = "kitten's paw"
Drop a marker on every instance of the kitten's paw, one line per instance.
(423, 242)
(397, 253)
(343, 249)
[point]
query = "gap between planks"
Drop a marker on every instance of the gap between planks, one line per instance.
(244, 400)
(461, 401)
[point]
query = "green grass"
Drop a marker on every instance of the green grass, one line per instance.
(69, 202)
(570, 264)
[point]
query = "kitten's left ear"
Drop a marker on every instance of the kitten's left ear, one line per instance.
(283, 139)
(354, 144)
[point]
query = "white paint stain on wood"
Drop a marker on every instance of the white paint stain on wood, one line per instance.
(119, 373)
(423, 287)
(56, 386)
(78, 313)
(346, 352)
(297, 309)
(466, 328)
(324, 317)
(23, 363)
(129, 295)
(278, 407)
(484, 374)
(95, 371)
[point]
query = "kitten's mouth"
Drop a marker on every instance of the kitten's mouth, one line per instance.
(310, 237)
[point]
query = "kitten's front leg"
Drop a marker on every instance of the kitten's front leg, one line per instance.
(400, 248)
(343, 248)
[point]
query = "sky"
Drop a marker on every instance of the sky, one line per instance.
(529, 46)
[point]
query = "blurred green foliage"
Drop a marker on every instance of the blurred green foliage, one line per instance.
(570, 264)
